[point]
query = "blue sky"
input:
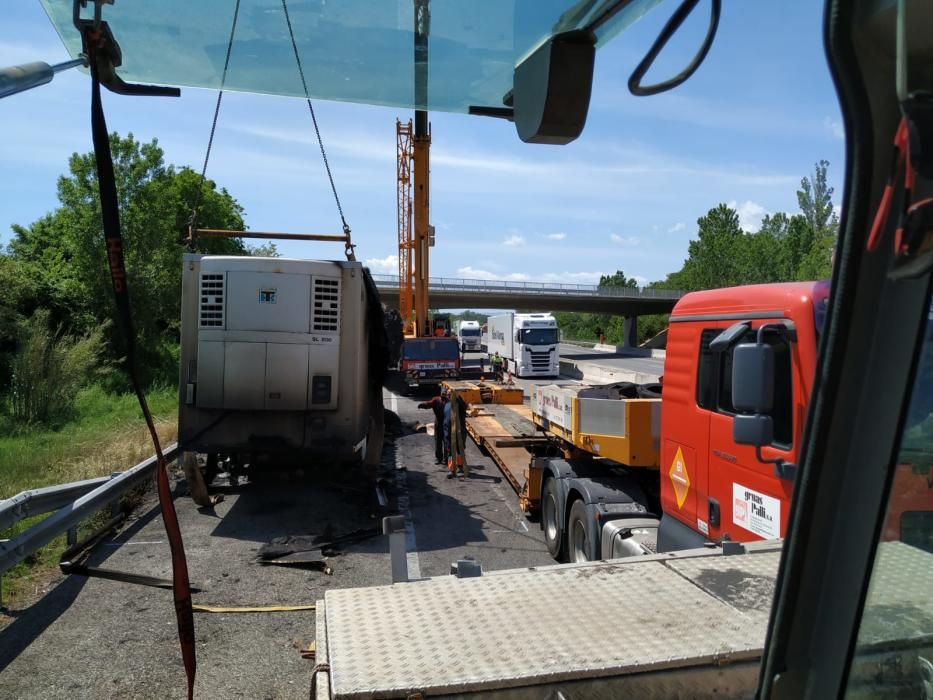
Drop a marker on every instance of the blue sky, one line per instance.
(626, 195)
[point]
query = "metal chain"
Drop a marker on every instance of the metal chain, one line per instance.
(317, 131)
(210, 141)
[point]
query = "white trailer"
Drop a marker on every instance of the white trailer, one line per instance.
(468, 333)
(276, 356)
(528, 343)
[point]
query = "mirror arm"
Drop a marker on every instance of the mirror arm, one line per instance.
(782, 469)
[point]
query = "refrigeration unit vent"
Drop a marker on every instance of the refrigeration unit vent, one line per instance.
(212, 300)
(325, 316)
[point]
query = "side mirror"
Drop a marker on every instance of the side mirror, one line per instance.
(753, 395)
(753, 378)
(757, 430)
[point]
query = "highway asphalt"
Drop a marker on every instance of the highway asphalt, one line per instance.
(93, 638)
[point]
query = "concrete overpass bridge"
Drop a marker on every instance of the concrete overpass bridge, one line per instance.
(450, 293)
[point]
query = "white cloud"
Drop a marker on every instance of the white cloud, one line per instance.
(750, 214)
(556, 236)
(386, 266)
(514, 241)
(642, 281)
(679, 226)
(624, 240)
(834, 128)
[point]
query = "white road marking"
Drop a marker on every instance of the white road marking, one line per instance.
(404, 504)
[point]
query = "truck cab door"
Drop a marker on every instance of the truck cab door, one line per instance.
(684, 438)
(747, 500)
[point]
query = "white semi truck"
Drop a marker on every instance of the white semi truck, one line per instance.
(468, 333)
(528, 343)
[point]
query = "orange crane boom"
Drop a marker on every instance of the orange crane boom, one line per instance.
(406, 241)
(414, 230)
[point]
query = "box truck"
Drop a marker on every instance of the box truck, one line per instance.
(527, 343)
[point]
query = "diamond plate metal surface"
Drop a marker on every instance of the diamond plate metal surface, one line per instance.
(449, 635)
(743, 582)
(899, 603)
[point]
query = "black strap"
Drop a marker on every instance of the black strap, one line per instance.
(673, 24)
(110, 215)
(210, 141)
(317, 131)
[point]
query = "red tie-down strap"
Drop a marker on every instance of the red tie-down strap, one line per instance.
(900, 160)
(110, 214)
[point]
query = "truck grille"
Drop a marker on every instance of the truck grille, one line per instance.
(540, 361)
(325, 315)
(212, 301)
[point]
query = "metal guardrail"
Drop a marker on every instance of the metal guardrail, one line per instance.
(74, 502)
(470, 285)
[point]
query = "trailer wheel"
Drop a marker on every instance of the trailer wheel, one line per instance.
(551, 522)
(578, 542)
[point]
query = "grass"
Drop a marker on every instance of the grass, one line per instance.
(105, 434)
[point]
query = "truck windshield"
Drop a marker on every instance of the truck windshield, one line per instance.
(430, 349)
(469, 332)
(539, 336)
(908, 523)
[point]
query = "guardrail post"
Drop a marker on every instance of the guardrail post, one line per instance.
(71, 536)
(394, 527)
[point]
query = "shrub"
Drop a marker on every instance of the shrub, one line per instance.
(49, 368)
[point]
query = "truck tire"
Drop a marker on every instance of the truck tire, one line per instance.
(551, 522)
(578, 544)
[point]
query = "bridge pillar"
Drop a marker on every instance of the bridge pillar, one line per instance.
(630, 332)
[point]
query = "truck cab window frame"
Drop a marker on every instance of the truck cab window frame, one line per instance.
(714, 382)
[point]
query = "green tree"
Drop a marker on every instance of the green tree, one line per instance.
(716, 257)
(264, 250)
(618, 279)
(64, 250)
(21, 295)
(815, 200)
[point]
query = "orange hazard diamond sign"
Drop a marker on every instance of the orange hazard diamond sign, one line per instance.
(680, 478)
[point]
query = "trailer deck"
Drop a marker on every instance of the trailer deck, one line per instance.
(649, 625)
(502, 424)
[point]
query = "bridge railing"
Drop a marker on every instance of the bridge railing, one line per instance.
(479, 285)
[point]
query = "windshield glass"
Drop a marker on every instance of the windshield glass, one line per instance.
(360, 50)
(474, 332)
(902, 572)
(429, 349)
(539, 336)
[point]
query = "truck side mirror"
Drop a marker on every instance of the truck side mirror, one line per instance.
(757, 430)
(753, 394)
(753, 378)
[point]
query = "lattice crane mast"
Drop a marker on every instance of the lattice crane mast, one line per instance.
(415, 234)
(406, 240)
